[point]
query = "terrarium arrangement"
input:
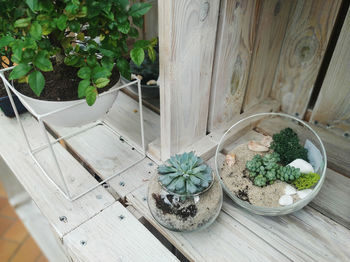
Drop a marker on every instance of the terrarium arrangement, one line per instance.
(185, 195)
(70, 50)
(273, 172)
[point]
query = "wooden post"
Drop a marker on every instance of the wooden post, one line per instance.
(187, 34)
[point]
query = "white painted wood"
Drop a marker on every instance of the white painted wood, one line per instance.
(234, 45)
(332, 106)
(50, 202)
(107, 237)
(187, 33)
(305, 235)
(332, 200)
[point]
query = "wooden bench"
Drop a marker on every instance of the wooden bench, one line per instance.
(113, 223)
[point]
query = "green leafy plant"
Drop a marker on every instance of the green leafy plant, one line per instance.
(266, 170)
(306, 180)
(185, 174)
(149, 69)
(286, 144)
(90, 35)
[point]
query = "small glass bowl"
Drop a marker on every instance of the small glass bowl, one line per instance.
(184, 213)
(269, 124)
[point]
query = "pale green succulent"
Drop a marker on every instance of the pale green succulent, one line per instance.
(185, 174)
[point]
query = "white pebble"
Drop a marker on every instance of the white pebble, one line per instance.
(304, 166)
(289, 190)
(304, 193)
(285, 200)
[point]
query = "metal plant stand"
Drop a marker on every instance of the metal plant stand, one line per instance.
(49, 144)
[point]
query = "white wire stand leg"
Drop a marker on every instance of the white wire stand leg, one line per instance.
(141, 149)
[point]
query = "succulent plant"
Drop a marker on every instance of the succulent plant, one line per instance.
(288, 173)
(260, 180)
(306, 180)
(185, 174)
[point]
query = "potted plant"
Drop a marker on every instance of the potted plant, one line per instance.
(147, 72)
(75, 49)
(5, 103)
(185, 195)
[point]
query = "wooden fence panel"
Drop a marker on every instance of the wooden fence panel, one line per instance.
(187, 33)
(333, 103)
(234, 45)
(150, 27)
(269, 39)
(309, 28)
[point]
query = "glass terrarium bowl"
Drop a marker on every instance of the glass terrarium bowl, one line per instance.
(258, 125)
(184, 213)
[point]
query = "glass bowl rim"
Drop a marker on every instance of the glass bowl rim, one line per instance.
(281, 209)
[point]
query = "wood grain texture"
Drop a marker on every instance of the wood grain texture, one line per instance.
(115, 235)
(267, 47)
(187, 33)
(306, 235)
(332, 106)
(308, 31)
(49, 200)
(150, 26)
(332, 200)
(234, 46)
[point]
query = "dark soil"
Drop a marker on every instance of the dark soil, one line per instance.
(2, 89)
(61, 84)
(243, 194)
(182, 213)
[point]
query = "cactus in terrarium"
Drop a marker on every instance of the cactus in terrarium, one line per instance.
(185, 174)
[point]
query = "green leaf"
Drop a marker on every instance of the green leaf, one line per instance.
(23, 22)
(90, 95)
(137, 55)
(107, 52)
(36, 82)
(141, 44)
(29, 43)
(100, 72)
(102, 82)
(35, 30)
(62, 22)
(84, 72)
(91, 60)
(19, 71)
(123, 4)
(74, 26)
(42, 61)
(6, 40)
(33, 4)
(124, 27)
(107, 63)
(138, 21)
(123, 67)
(139, 9)
(152, 54)
(83, 85)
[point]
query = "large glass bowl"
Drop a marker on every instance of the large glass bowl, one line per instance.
(246, 130)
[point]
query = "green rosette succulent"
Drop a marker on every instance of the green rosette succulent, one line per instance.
(185, 174)
(288, 173)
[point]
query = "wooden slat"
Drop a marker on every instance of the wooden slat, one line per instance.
(187, 33)
(332, 106)
(332, 200)
(337, 148)
(268, 43)
(234, 45)
(305, 235)
(150, 27)
(51, 202)
(225, 240)
(309, 28)
(115, 235)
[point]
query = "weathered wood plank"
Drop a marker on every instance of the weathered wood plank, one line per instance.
(332, 106)
(337, 148)
(49, 200)
(150, 27)
(268, 43)
(115, 235)
(234, 45)
(305, 235)
(225, 240)
(332, 200)
(187, 33)
(309, 28)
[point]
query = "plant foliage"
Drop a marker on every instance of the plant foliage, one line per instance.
(306, 180)
(286, 144)
(88, 34)
(185, 174)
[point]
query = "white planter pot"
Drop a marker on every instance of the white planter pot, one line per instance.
(74, 116)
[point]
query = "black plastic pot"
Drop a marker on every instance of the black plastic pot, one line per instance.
(151, 91)
(6, 106)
